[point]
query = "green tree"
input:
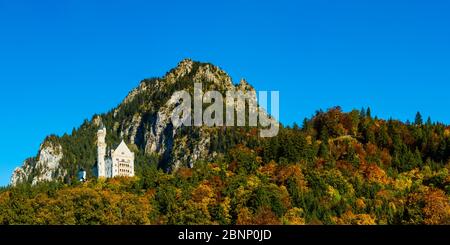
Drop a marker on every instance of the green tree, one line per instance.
(418, 120)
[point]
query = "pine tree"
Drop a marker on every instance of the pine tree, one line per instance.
(369, 113)
(363, 113)
(429, 122)
(418, 120)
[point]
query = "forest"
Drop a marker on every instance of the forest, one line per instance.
(336, 168)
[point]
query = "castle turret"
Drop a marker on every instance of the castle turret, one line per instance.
(101, 152)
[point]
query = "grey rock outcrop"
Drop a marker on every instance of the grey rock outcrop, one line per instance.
(45, 167)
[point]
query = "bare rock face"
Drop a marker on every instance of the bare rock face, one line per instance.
(47, 165)
(43, 168)
(159, 137)
(132, 128)
(20, 174)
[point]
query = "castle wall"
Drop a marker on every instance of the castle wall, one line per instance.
(109, 168)
(123, 164)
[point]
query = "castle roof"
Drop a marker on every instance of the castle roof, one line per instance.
(123, 149)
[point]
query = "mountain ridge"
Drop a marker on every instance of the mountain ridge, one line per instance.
(142, 119)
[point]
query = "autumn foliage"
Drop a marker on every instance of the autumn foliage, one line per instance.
(338, 168)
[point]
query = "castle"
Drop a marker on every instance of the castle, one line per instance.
(119, 162)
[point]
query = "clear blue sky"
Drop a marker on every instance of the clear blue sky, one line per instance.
(63, 61)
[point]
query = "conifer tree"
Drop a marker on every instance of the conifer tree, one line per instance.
(418, 121)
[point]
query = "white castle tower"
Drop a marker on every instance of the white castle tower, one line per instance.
(101, 152)
(119, 162)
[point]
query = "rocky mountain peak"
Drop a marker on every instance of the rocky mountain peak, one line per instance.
(245, 86)
(183, 68)
(197, 72)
